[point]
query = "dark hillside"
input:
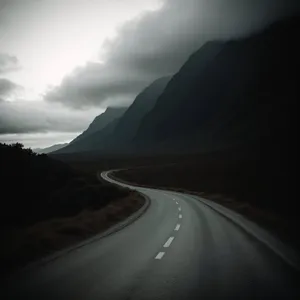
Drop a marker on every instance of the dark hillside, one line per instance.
(101, 121)
(230, 94)
(46, 205)
(118, 125)
(36, 187)
(102, 124)
(243, 103)
(127, 128)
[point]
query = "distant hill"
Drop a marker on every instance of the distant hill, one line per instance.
(94, 142)
(49, 149)
(85, 140)
(117, 134)
(110, 114)
(129, 123)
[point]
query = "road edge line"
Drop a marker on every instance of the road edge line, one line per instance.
(286, 253)
(115, 228)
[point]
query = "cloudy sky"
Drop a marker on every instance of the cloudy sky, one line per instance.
(62, 62)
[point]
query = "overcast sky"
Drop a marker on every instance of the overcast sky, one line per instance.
(62, 62)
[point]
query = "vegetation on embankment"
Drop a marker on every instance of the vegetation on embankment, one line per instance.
(240, 182)
(47, 205)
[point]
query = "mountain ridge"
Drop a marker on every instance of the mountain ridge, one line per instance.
(50, 149)
(99, 123)
(239, 70)
(120, 130)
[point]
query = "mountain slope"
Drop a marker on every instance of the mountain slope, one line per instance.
(240, 109)
(85, 140)
(229, 94)
(96, 140)
(117, 135)
(171, 104)
(129, 123)
(50, 149)
(101, 121)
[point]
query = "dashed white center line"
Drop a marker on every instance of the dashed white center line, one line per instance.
(168, 242)
(170, 239)
(177, 227)
(160, 255)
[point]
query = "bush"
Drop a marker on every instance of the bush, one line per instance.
(35, 187)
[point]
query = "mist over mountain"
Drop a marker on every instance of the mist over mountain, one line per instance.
(129, 123)
(238, 105)
(180, 118)
(50, 149)
(229, 93)
(100, 122)
(117, 127)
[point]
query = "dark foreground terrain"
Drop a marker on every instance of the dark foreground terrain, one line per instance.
(46, 205)
(179, 249)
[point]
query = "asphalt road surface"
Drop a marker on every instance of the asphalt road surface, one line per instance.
(180, 248)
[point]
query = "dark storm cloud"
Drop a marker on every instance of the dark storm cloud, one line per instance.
(95, 83)
(38, 116)
(8, 63)
(7, 87)
(158, 43)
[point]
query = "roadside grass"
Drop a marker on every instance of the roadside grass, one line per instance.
(47, 205)
(257, 184)
(279, 224)
(21, 245)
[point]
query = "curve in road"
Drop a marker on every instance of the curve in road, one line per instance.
(180, 248)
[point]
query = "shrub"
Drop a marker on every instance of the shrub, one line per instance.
(36, 187)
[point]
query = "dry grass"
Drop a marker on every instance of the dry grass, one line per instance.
(22, 245)
(163, 177)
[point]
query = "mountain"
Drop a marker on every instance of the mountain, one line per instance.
(101, 121)
(239, 107)
(50, 149)
(170, 112)
(235, 94)
(84, 141)
(129, 123)
(94, 142)
(229, 94)
(117, 135)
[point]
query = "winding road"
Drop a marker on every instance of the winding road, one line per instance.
(181, 247)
